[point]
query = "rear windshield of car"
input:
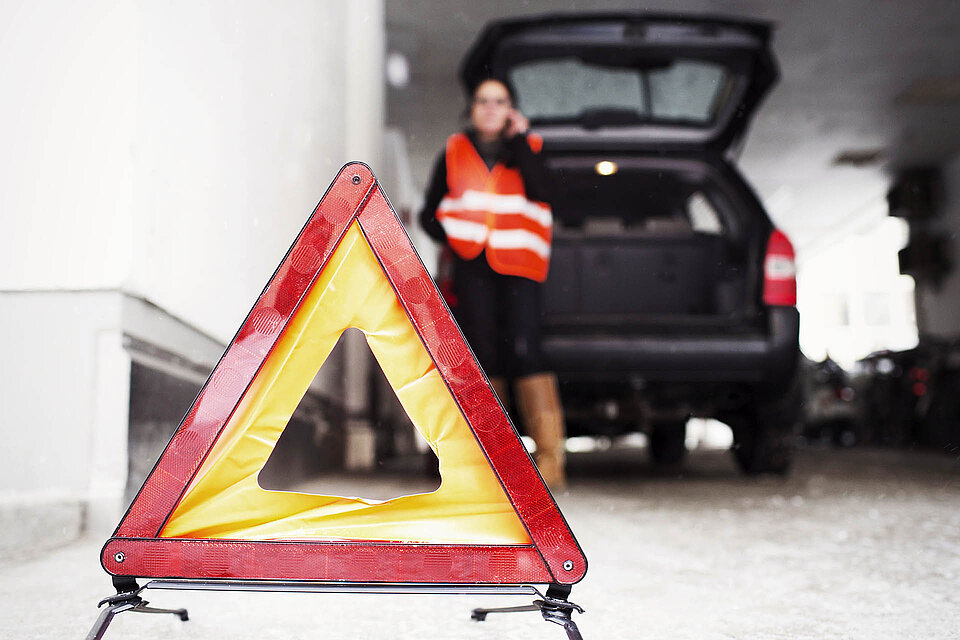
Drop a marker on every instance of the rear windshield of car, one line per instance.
(572, 90)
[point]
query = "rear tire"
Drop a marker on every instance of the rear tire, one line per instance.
(764, 434)
(668, 443)
(762, 449)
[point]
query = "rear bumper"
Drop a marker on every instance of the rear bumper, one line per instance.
(760, 359)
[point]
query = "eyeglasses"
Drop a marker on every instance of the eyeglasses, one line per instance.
(496, 102)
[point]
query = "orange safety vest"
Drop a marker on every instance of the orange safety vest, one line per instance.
(488, 209)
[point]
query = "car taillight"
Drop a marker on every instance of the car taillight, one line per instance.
(779, 272)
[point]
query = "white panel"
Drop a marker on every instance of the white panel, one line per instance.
(243, 115)
(108, 442)
(52, 381)
(68, 72)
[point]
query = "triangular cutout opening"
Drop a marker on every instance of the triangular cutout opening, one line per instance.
(319, 445)
(224, 498)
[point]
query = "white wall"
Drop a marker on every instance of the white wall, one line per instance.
(164, 150)
(246, 112)
(65, 413)
(67, 119)
(940, 308)
(175, 149)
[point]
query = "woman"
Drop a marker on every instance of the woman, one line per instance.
(487, 201)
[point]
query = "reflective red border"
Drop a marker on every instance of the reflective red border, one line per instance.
(555, 555)
(324, 561)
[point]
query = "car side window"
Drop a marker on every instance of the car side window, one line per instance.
(703, 216)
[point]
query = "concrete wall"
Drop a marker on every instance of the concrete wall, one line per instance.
(940, 308)
(65, 382)
(245, 116)
(163, 152)
(64, 422)
(68, 121)
(174, 149)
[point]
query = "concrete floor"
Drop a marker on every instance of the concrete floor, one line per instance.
(855, 544)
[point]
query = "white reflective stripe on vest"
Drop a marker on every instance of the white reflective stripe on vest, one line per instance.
(497, 203)
(464, 230)
(518, 239)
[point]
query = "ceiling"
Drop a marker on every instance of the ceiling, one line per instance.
(878, 78)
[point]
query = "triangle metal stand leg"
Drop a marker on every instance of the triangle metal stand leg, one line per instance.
(554, 607)
(127, 599)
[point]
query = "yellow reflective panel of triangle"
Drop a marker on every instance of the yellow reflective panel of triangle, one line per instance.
(225, 500)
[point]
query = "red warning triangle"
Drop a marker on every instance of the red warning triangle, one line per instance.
(201, 514)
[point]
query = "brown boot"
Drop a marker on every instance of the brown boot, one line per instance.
(502, 389)
(538, 399)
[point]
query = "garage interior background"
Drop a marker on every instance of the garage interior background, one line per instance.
(865, 93)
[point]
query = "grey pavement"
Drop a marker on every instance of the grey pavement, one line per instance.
(855, 544)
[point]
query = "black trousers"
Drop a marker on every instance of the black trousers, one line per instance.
(500, 317)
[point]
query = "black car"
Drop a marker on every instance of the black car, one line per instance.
(670, 293)
(912, 397)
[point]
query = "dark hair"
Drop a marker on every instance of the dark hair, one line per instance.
(476, 85)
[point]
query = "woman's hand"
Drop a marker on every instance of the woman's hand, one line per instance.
(517, 124)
